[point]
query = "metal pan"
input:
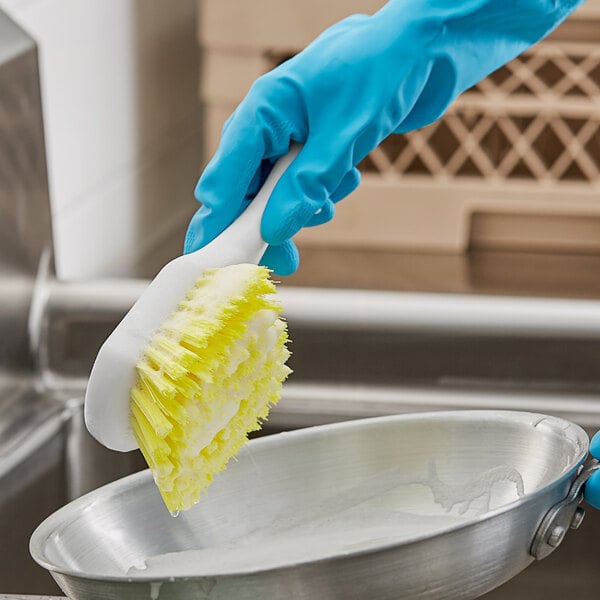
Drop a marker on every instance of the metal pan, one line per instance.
(429, 506)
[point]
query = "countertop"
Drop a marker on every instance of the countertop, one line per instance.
(534, 274)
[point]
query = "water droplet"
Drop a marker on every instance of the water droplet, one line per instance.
(174, 513)
(155, 590)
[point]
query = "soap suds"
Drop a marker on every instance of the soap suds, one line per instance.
(359, 530)
(463, 494)
(373, 513)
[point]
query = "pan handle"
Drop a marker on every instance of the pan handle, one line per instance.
(566, 514)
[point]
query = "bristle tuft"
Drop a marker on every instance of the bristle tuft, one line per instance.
(208, 378)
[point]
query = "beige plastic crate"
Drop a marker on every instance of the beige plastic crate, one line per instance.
(515, 163)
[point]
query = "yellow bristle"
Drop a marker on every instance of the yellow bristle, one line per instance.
(156, 450)
(165, 396)
(152, 382)
(207, 378)
(154, 415)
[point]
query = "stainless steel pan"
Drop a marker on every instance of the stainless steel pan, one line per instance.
(429, 506)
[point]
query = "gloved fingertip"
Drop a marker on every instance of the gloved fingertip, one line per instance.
(285, 215)
(282, 259)
(323, 215)
(189, 242)
(595, 446)
(348, 184)
(592, 490)
(193, 239)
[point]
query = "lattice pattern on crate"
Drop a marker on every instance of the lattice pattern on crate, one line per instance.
(537, 118)
(471, 144)
(551, 70)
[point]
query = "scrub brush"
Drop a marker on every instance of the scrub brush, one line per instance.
(196, 363)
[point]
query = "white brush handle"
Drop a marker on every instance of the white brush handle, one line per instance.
(242, 241)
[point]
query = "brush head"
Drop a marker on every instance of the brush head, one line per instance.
(207, 378)
(187, 374)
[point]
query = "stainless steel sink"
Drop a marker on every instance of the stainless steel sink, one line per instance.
(44, 457)
(355, 354)
(359, 354)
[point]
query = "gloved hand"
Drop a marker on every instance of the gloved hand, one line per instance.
(358, 82)
(592, 487)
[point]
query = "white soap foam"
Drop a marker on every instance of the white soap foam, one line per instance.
(359, 530)
(369, 515)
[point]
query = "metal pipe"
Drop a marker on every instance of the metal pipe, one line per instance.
(353, 310)
(110, 297)
(448, 313)
(317, 403)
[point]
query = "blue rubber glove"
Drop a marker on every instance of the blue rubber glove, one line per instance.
(592, 487)
(361, 80)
